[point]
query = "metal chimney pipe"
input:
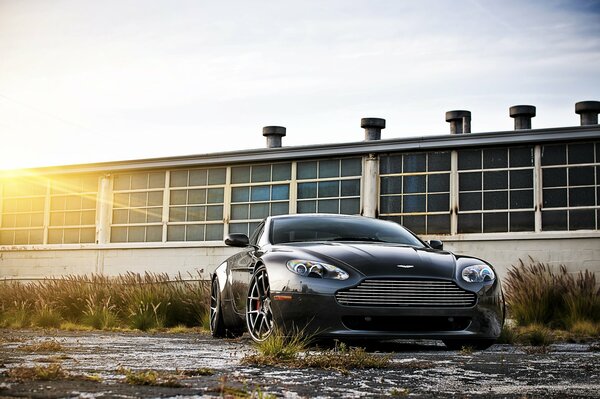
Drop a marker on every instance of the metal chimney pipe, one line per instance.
(522, 115)
(273, 135)
(588, 111)
(372, 128)
(460, 121)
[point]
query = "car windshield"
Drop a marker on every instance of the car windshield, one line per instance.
(332, 228)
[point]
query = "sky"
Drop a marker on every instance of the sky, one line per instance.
(85, 81)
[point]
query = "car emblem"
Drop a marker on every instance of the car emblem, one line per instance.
(406, 266)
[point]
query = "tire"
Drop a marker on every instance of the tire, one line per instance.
(259, 315)
(217, 326)
(478, 344)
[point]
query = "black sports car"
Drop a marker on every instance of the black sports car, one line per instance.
(353, 277)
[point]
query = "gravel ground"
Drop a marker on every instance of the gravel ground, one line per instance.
(96, 364)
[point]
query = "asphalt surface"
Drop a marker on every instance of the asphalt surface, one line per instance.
(96, 363)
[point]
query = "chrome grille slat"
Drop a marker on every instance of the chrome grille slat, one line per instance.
(406, 293)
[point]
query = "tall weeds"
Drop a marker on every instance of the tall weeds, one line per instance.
(131, 300)
(537, 294)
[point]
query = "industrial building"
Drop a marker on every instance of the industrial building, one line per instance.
(502, 196)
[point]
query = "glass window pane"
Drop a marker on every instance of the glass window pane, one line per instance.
(259, 211)
(521, 199)
(260, 193)
(414, 184)
(239, 212)
(198, 177)
(390, 164)
(216, 176)
(178, 197)
(56, 204)
(391, 185)
(240, 194)
(554, 198)
(73, 202)
(495, 200)
(37, 219)
(139, 181)
(307, 206)
(307, 170)
(214, 212)
(194, 232)
(521, 156)
(350, 188)
(521, 178)
(177, 214)
(469, 181)
(438, 224)
(155, 198)
(156, 180)
(554, 220)
(280, 192)
(153, 233)
(581, 153)
(469, 159)
(71, 236)
(121, 182)
(582, 196)
(438, 161)
(238, 228)
(136, 234)
(72, 219)
(496, 222)
(350, 206)
(554, 155)
(121, 200)
(328, 206)
(413, 203)
(154, 215)
(307, 190)
(495, 158)
(555, 177)
(137, 216)
(178, 178)
(138, 199)
(582, 219)
(214, 232)
(22, 237)
(495, 180)
(438, 202)
(438, 183)
(240, 174)
(118, 234)
(470, 201)
(582, 176)
(87, 235)
(392, 204)
(120, 216)
(261, 173)
(175, 233)
(56, 219)
(351, 167)
(329, 189)
(416, 224)
(215, 195)
(415, 162)
(280, 208)
(329, 168)
(522, 221)
(196, 214)
(282, 171)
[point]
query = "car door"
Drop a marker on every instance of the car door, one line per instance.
(242, 266)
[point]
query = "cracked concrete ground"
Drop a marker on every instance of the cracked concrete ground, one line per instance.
(419, 369)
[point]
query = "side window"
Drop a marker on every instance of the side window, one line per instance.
(255, 237)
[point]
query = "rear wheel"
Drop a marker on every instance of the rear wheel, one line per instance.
(479, 344)
(259, 315)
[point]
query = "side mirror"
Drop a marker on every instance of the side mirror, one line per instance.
(436, 244)
(237, 240)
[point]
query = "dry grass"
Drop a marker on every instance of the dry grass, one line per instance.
(151, 377)
(43, 347)
(44, 373)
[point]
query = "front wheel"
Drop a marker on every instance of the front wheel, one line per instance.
(479, 344)
(259, 315)
(217, 327)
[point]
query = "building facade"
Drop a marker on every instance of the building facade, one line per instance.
(502, 196)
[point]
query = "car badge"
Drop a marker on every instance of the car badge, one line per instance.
(406, 266)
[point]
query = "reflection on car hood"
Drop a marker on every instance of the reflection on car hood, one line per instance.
(379, 259)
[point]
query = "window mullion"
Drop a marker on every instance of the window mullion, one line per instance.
(166, 205)
(537, 187)
(454, 192)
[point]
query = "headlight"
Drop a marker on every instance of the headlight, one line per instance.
(478, 274)
(308, 268)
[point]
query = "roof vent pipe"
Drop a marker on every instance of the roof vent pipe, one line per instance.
(460, 121)
(372, 128)
(522, 115)
(273, 135)
(588, 111)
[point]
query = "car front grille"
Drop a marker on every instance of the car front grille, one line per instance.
(406, 293)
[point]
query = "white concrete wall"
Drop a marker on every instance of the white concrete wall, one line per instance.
(577, 253)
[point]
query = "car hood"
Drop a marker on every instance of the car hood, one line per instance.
(379, 259)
